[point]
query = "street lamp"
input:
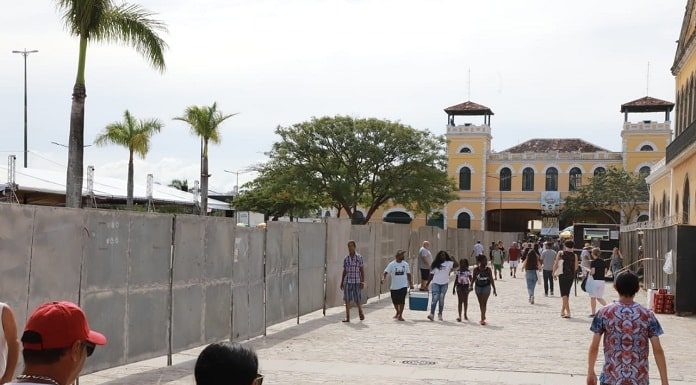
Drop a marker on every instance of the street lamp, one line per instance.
(25, 53)
(500, 203)
(63, 145)
(236, 189)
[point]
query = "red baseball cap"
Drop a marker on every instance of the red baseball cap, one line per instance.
(56, 325)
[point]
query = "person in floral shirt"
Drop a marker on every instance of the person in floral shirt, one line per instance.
(626, 328)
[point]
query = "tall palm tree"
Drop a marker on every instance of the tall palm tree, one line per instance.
(204, 122)
(135, 136)
(103, 21)
(180, 184)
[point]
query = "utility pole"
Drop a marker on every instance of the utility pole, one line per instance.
(25, 53)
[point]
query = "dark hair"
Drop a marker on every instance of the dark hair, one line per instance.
(226, 363)
(353, 242)
(481, 259)
(536, 248)
(627, 284)
(43, 357)
(440, 258)
(464, 264)
(569, 244)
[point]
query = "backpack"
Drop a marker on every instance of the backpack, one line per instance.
(482, 279)
(463, 277)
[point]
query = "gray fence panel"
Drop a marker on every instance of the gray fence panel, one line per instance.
(290, 275)
(312, 241)
(148, 286)
(256, 274)
(217, 275)
(282, 293)
(337, 240)
(240, 286)
(15, 252)
(105, 284)
(56, 255)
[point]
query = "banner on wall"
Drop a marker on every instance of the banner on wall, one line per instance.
(550, 203)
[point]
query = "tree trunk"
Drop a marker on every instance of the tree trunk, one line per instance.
(76, 140)
(204, 179)
(129, 199)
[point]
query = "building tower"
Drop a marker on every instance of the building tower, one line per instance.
(467, 152)
(644, 142)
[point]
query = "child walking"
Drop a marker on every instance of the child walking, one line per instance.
(462, 285)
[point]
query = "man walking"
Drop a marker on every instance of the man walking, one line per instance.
(57, 340)
(425, 258)
(400, 282)
(547, 257)
(478, 250)
(353, 280)
(626, 327)
(514, 256)
(498, 258)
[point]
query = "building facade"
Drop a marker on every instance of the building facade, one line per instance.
(673, 183)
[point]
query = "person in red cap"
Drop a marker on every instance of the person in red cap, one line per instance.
(56, 340)
(9, 346)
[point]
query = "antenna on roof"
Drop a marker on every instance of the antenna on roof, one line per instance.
(647, 82)
(468, 86)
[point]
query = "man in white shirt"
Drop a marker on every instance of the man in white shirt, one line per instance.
(425, 258)
(478, 249)
(401, 281)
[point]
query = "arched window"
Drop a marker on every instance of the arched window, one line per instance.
(599, 171)
(358, 218)
(465, 179)
(663, 212)
(465, 150)
(644, 171)
(686, 205)
(575, 180)
(647, 147)
(398, 217)
(528, 179)
(505, 179)
(552, 179)
(436, 220)
(463, 221)
(643, 218)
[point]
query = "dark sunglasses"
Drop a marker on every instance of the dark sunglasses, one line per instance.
(89, 347)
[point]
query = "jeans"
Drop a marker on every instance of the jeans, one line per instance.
(548, 281)
(439, 293)
(532, 279)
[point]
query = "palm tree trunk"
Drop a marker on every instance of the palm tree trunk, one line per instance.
(204, 179)
(76, 141)
(129, 198)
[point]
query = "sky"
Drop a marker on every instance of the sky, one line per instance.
(547, 68)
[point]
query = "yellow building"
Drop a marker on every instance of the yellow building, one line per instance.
(670, 190)
(503, 191)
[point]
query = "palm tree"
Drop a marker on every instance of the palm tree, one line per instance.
(204, 122)
(103, 21)
(135, 136)
(180, 184)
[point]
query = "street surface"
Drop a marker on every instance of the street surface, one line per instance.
(522, 344)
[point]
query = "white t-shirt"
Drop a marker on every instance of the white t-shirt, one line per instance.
(424, 253)
(441, 275)
(478, 249)
(399, 274)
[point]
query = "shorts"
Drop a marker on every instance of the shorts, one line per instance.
(514, 264)
(462, 290)
(595, 288)
(482, 290)
(565, 282)
(399, 296)
(498, 266)
(352, 293)
(425, 274)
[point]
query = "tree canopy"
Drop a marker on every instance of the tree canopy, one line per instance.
(347, 162)
(615, 190)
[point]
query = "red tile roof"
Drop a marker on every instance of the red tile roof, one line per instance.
(647, 104)
(560, 145)
(468, 108)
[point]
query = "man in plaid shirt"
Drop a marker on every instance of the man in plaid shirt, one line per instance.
(353, 280)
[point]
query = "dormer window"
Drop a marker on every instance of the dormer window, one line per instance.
(465, 150)
(647, 147)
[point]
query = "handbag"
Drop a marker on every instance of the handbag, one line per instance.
(559, 268)
(583, 285)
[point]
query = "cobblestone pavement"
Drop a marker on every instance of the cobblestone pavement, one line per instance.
(522, 344)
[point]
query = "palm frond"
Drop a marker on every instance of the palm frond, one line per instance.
(82, 17)
(134, 25)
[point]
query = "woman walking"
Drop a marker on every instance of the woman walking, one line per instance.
(569, 262)
(462, 284)
(595, 281)
(439, 276)
(616, 262)
(531, 265)
(400, 282)
(483, 281)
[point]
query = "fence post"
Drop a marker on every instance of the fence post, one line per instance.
(170, 298)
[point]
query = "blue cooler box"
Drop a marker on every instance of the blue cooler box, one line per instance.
(418, 300)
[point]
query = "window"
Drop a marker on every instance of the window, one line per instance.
(676, 206)
(465, 179)
(505, 179)
(663, 212)
(647, 147)
(643, 218)
(644, 171)
(686, 205)
(575, 179)
(552, 179)
(436, 220)
(398, 217)
(465, 150)
(599, 171)
(528, 179)
(358, 218)
(463, 221)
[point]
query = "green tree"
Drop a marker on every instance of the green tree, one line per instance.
(102, 21)
(134, 135)
(204, 122)
(275, 193)
(615, 190)
(365, 162)
(179, 184)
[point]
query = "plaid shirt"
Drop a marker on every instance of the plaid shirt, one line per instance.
(352, 265)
